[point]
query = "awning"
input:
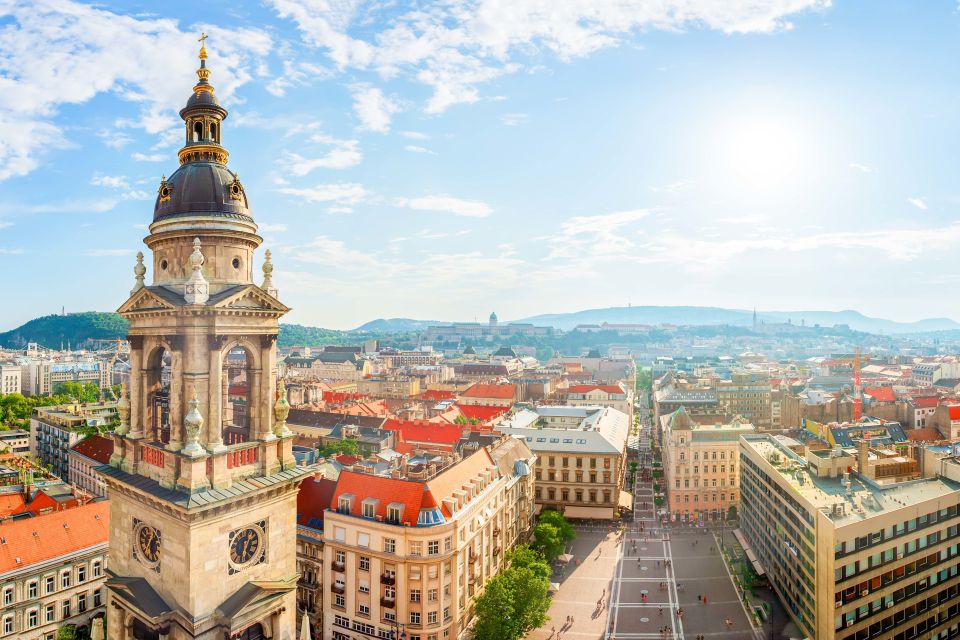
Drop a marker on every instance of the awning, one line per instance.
(565, 557)
(739, 536)
(751, 556)
(554, 587)
(758, 567)
(602, 513)
(626, 500)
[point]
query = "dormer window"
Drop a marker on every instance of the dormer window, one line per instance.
(394, 512)
(370, 507)
(345, 504)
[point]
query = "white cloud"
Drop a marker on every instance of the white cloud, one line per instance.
(152, 157)
(112, 182)
(452, 47)
(339, 210)
(863, 168)
(5, 225)
(515, 119)
(114, 139)
(341, 154)
(374, 110)
(751, 220)
(584, 239)
(447, 204)
(415, 149)
(673, 187)
(271, 228)
(918, 203)
(343, 193)
(414, 135)
(108, 253)
(59, 52)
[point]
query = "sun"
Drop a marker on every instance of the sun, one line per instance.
(762, 152)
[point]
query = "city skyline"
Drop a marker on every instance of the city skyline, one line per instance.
(422, 159)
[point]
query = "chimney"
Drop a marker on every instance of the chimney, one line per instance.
(863, 451)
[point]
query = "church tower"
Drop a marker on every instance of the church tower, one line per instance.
(203, 481)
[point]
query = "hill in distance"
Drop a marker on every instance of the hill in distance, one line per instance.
(396, 325)
(737, 317)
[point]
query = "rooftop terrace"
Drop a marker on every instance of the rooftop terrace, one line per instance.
(843, 502)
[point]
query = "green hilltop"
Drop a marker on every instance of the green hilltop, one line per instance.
(82, 330)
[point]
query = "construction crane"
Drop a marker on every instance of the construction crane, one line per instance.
(854, 362)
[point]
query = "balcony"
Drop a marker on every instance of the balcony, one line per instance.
(388, 602)
(496, 531)
(337, 588)
(388, 579)
(338, 566)
(496, 550)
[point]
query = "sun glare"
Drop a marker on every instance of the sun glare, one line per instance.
(758, 153)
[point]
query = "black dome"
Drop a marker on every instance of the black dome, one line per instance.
(202, 99)
(202, 188)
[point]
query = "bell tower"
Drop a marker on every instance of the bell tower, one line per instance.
(203, 481)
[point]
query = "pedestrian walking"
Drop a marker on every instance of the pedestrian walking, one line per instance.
(704, 599)
(699, 597)
(660, 609)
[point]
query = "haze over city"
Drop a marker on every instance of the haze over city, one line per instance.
(445, 163)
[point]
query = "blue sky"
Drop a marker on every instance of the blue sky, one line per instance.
(443, 160)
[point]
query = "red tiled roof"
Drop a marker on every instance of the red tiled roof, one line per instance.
(313, 498)
(587, 388)
(339, 397)
(925, 402)
(34, 540)
(954, 411)
(96, 447)
(924, 434)
(481, 412)
(437, 395)
(10, 503)
(502, 391)
(386, 490)
(881, 394)
(346, 460)
(421, 432)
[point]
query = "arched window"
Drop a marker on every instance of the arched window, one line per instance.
(213, 132)
(157, 421)
(197, 131)
(236, 396)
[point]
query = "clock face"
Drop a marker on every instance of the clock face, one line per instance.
(148, 543)
(247, 544)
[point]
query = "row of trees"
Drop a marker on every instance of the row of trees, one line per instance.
(516, 600)
(15, 408)
(347, 447)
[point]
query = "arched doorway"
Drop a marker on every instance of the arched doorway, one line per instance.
(157, 420)
(253, 633)
(236, 396)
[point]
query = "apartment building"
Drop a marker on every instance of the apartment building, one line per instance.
(10, 379)
(747, 394)
(82, 460)
(871, 553)
(408, 553)
(15, 441)
(700, 466)
(616, 396)
(55, 429)
(52, 571)
(581, 457)
(396, 387)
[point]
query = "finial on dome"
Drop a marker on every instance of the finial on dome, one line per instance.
(203, 73)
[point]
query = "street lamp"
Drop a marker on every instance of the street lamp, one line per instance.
(397, 633)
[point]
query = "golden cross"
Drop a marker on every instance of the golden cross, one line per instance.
(203, 37)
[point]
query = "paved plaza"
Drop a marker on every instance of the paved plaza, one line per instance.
(644, 579)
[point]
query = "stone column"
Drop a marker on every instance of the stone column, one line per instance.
(175, 407)
(258, 406)
(213, 438)
(137, 401)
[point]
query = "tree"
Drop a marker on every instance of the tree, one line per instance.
(556, 518)
(548, 540)
(512, 604)
(68, 632)
(522, 556)
(495, 609)
(347, 446)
